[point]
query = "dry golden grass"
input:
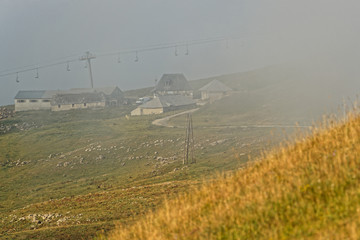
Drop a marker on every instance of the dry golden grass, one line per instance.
(306, 190)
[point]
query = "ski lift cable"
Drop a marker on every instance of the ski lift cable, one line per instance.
(163, 46)
(39, 67)
(33, 66)
(155, 47)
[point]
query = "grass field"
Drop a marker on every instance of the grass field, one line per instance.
(305, 190)
(70, 175)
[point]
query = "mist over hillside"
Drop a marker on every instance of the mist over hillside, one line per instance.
(81, 167)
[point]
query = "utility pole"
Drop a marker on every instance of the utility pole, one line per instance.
(87, 57)
(189, 141)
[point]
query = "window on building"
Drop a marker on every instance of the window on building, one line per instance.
(73, 105)
(46, 100)
(84, 104)
(21, 101)
(168, 83)
(33, 100)
(59, 106)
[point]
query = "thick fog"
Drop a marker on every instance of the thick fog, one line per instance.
(318, 38)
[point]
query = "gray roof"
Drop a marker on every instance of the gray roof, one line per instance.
(75, 98)
(30, 94)
(48, 94)
(173, 82)
(215, 86)
(105, 90)
(168, 101)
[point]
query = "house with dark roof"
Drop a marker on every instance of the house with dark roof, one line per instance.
(69, 101)
(214, 90)
(161, 104)
(113, 95)
(173, 84)
(43, 100)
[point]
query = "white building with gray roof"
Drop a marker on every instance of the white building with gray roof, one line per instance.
(161, 104)
(32, 100)
(45, 99)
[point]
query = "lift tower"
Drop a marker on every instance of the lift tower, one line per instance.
(189, 141)
(87, 57)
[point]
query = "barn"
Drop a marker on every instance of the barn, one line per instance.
(69, 101)
(113, 95)
(161, 104)
(173, 84)
(44, 99)
(214, 90)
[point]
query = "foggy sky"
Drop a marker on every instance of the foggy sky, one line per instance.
(277, 31)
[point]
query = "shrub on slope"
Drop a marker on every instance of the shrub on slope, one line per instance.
(309, 189)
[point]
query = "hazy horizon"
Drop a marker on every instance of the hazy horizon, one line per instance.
(37, 31)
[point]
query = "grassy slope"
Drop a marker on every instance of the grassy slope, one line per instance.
(128, 158)
(309, 189)
(60, 185)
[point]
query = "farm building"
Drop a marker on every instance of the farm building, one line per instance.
(214, 90)
(32, 100)
(42, 100)
(113, 95)
(68, 101)
(173, 84)
(161, 104)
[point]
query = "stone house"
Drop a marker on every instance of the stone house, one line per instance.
(173, 84)
(42, 100)
(113, 95)
(69, 101)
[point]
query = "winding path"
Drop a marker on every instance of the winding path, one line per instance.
(164, 122)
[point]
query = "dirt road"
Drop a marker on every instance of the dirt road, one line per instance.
(164, 122)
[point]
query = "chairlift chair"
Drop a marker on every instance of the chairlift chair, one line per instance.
(136, 57)
(37, 73)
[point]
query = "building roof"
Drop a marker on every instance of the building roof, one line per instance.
(105, 90)
(215, 86)
(30, 94)
(75, 98)
(173, 82)
(48, 94)
(168, 101)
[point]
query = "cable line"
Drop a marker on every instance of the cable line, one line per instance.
(69, 59)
